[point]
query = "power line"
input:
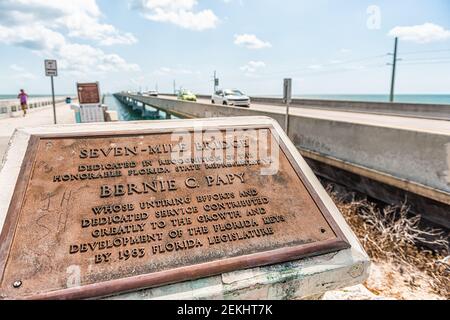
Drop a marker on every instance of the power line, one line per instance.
(309, 70)
(338, 67)
(427, 59)
(426, 62)
(313, 73)
(425, 51)
(337, 63)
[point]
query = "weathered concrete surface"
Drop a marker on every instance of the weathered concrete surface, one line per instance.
(291, 280)
(411, 154)
(303, 279)
(34, 117)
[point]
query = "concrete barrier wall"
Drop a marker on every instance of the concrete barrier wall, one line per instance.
(420, 110)
(412, 156)
(418, 161)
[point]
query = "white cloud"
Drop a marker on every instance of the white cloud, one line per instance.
(87, 27)
(425, 33)
(38, 25)
(84, 59)
(16, 68)
(137, 81)
(79, 18)
(78, 58)
(250, 41)
(166, 71)
(178, 12)
(20, 73)
(253, 66)
(315, 66)
(240, 2)
(34, 37)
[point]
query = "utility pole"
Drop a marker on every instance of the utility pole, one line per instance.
(287, 98)
(174, 87)
(394, 67)
(216, 81)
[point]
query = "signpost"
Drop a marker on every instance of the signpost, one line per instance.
(51, 70)
(287, 98)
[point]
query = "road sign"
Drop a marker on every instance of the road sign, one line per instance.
(287, 91)
(51, 68)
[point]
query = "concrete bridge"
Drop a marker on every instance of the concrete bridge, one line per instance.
(144, 108)
(391, 152)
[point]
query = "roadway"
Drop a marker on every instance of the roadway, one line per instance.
(395, 122)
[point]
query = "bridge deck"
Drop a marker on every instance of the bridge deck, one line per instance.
(396, 122)
(34, 118)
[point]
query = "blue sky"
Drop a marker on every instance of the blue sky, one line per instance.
(326, 46)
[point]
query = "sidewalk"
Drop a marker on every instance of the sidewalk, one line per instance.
(38, 117)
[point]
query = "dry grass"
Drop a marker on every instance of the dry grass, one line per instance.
(390, 234)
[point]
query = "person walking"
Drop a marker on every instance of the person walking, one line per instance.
(23, 101)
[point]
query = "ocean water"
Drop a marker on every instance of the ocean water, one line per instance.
(406, 98)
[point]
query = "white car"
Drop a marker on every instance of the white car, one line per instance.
(231, 97)
(151, 93)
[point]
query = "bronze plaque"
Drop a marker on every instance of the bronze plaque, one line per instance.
(88, 93)
(102, 214)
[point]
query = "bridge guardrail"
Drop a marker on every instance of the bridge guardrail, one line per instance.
(9, 108)
(422, 110)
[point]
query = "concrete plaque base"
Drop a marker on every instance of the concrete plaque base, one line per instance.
(212, 206)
